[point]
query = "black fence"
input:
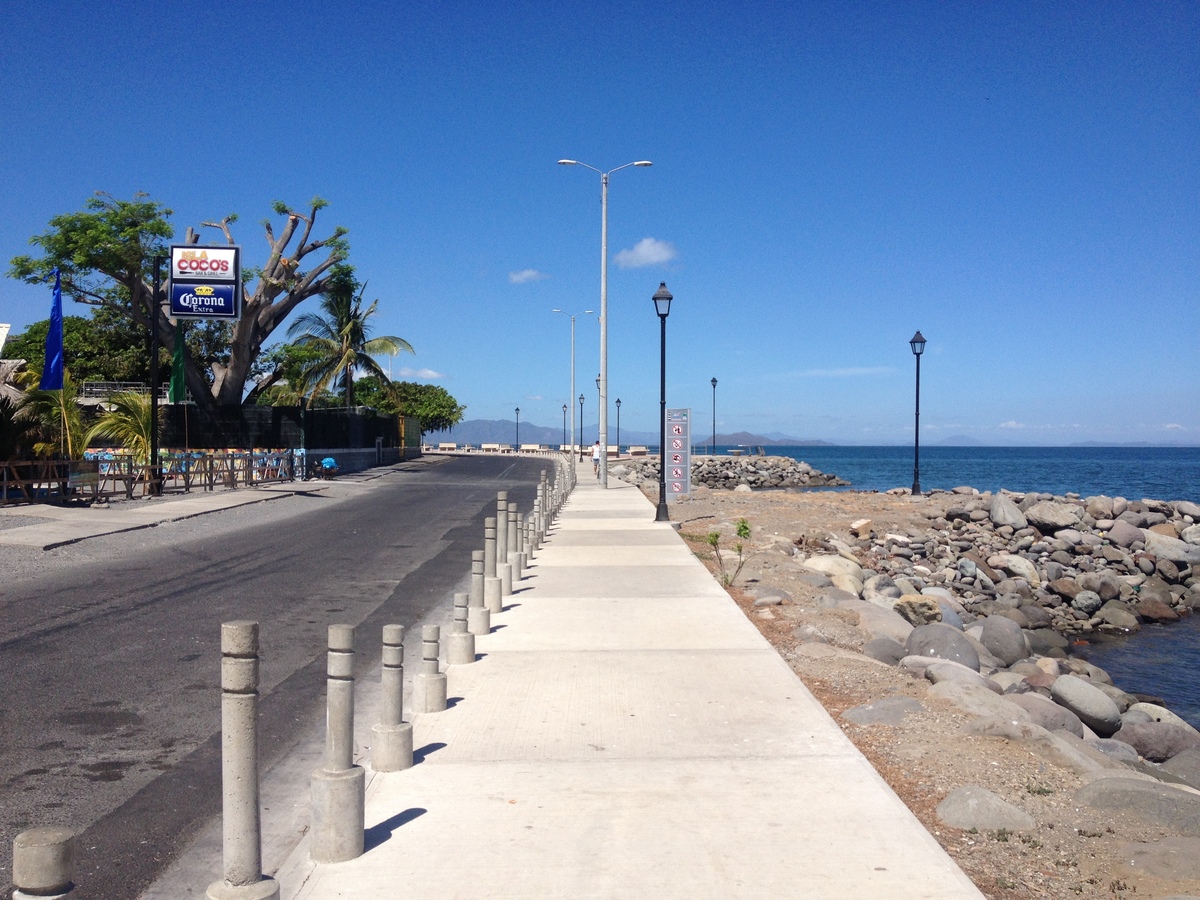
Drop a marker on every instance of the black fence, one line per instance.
(247, 427)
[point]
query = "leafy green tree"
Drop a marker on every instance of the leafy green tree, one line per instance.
(103, 347)
(434, 406)
(56, 418)
(340, 335)
(15, 431)
(106, 255)
(126, 420)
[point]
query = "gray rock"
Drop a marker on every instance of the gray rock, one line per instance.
(979, 701)
(918, 610)
(1047, 713)
(1172, 807)
(1172, 858)
(945, 670)
(1092, 705)
(1043, 640)
(1049, 516)
(1171, 548)
(1004, 512)
(885, 650)
(1118, 615)
(1123, 534)
(1162, 714)
(1087, 602)
(1158, 741)
(975, 807)
(943, 642)
(1004, 639)
(1185, 765)
(887, 711)
(950, 615)
(1118, 750)
(1187, 508)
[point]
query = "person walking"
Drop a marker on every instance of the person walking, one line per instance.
(596, 459)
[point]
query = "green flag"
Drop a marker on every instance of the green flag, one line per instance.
(178, 391)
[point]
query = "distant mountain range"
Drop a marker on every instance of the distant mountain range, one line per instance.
(502, 431)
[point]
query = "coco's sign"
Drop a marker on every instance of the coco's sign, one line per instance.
(205, 282)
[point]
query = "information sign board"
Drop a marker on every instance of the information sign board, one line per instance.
(679, 454)
(205, 282)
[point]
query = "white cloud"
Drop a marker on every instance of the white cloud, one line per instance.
(535, 397)
(646, 252)
(525, 276)
(1012, 424)
(418, 373)
(1172, 426)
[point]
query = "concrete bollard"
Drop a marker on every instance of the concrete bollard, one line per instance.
(338, 787)
(241, 821)
(460, 646)
(43, 863)
(489, 547)
(501, 527)
(479, 618)
(429, 685)
(504, 573)
(392, 750)
(493, 595)
(514, 542)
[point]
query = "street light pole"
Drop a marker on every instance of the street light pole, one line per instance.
(662, 306)
(618, 428)
(918, 347)
(581, 427)
(586, 312)
(155, 468)
(603, 303)
(713, 448)
(517, 446)
(564, 423)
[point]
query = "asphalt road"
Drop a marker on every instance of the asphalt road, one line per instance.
(109, 700)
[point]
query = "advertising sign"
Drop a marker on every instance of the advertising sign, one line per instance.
(205, 282)
(679, 453)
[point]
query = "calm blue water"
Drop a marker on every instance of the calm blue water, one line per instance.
(1159, 473)
(1161, 660)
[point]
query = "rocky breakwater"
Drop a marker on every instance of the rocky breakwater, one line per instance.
(734, 473)
(983, 605)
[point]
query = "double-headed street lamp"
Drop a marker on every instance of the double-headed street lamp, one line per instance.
(662, 306)
(918, 347)
(603, 303)
(586, 312)
(581, 427)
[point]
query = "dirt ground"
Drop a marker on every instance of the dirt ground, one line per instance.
(1073, 851)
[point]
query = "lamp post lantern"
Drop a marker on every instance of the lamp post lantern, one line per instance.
(581, 427)
(564, 424)
(586, 312)
(618, 427)
(517, 445)
(713, 448)
(641, 163)
(662, 307)
(918, 347)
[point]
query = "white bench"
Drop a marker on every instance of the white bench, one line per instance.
(635, 450)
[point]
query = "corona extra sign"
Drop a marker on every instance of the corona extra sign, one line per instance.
(205, 282)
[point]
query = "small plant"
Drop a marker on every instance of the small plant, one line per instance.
(1030, 841)
(1038, 789)
(1087, 832)
(1004, 884)
(1002, 835)
(714, 540)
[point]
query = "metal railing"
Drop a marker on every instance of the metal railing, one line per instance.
(86, 480)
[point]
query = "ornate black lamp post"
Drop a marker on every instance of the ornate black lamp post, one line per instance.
(918, 347)
(662, 306)
(564, 424)
(713, 448)
(581, 427)
(618, 426)
(517, 445)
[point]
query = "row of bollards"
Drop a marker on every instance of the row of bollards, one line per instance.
(44, 857)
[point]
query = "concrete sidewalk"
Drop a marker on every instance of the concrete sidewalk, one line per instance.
(627, 732)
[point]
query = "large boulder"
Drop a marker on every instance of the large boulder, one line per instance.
(1123, 534)
(1047, 713)
(1118, 615)
(1175, 808)
(1004, 512)
(943, 642)
(1094, 708)
(1049, 516)
(1004, 639)
(1016, 566)
(918, 610)
(973, 807)
(1158, 741)
(1171, 548)
(1162, 714)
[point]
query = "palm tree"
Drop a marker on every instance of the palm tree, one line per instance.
(126, 420)
(341, 335)
(56, 416)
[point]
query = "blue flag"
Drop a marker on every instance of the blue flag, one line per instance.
(52, 372)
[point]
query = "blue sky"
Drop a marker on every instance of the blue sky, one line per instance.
(1019, 181)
